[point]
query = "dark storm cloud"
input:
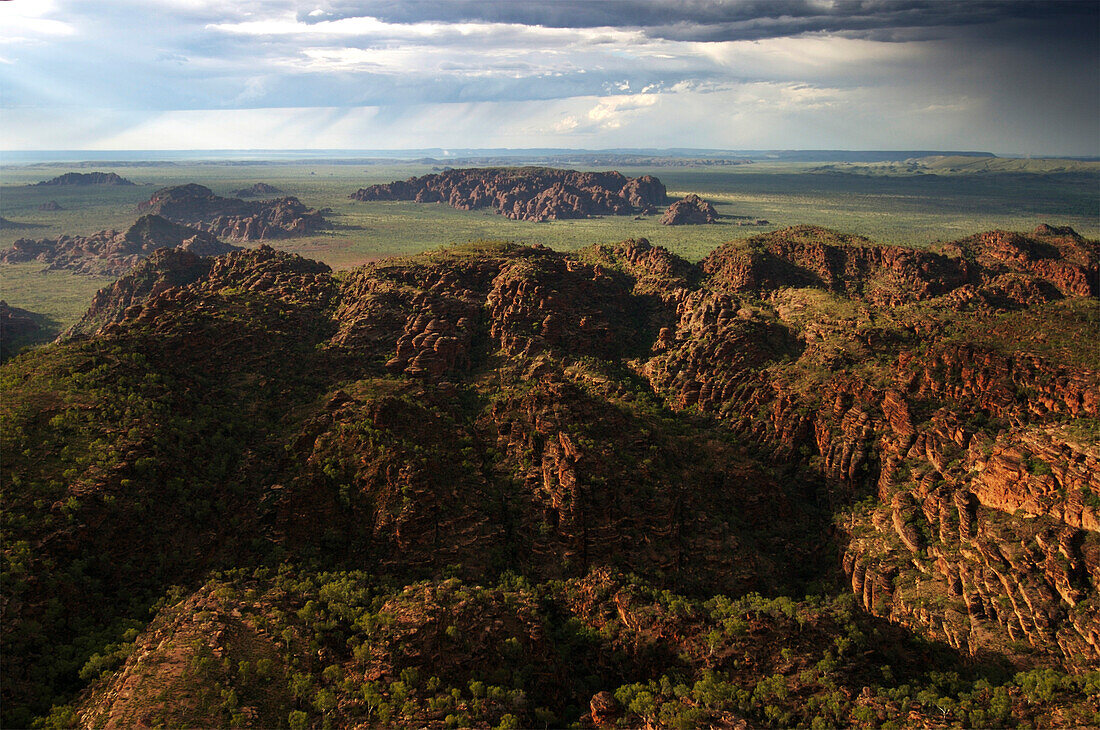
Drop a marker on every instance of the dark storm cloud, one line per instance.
(732, 20)
(1019, 76)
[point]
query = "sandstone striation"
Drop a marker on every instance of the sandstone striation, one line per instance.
(527, 193)
(691, 210)
(233, 218)
(112, 253)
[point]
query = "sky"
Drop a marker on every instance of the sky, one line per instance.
(1011, 77)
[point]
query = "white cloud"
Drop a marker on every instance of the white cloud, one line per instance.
(29, 22)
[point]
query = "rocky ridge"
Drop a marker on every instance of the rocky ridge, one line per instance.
(527, 193)
(112, 253)
(495, 452)
(232, 218)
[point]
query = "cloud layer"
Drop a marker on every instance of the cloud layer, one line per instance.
(1013, 77)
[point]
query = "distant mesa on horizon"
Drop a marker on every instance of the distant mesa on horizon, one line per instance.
(87, 178)
(528, 193)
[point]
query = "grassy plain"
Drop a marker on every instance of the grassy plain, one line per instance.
(912, 204)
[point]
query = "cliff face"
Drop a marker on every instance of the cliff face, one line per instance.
(502, 463)
(530, 193)
(233, 218)
(113, 253)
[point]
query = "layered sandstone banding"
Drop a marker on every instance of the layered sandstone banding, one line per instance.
(233, 218)
(528, 193)
(112, 253)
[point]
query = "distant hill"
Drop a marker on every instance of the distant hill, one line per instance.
(87, 178)
(113, 252)
(232, 218)
(528, 193)
(256, 191)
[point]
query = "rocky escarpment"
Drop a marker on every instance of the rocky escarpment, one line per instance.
(1056, 255)
(112, 253)
(233, 218)
(528, 193)
(87, 178)
(691, 210)
(984, 530)
(994, 269)
(501, 463)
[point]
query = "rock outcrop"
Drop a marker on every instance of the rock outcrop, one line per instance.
(87, 178)
(112, 253)
(232, 218)
(527, 193)
(257, 190)
(995, 270)
(50, 206)
(502, 462)
(690, 210)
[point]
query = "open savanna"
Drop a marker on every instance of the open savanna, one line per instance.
(911, 204)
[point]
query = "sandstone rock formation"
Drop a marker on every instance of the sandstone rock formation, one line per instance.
(112, 253)
(232, 218)
(50, 206)
(527, 193)
(448, 481)
(691, 210)
(996, 269)
(87, 178)
(257, 190)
